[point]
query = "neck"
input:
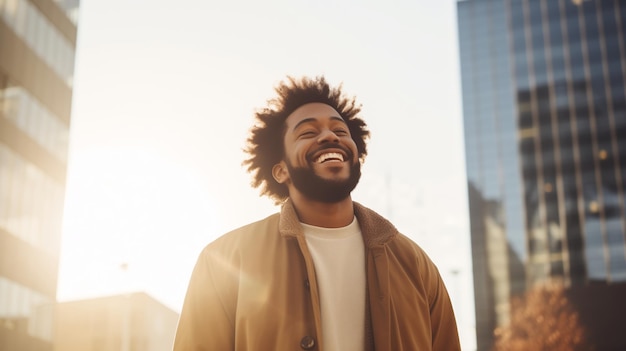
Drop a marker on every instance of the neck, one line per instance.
(321, 214)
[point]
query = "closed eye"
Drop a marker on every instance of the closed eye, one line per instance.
(307, 134)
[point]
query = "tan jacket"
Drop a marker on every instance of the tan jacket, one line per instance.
(255, 289)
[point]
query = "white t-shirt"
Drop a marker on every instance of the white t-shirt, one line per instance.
(339, 258)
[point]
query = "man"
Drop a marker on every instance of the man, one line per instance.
(326, 273)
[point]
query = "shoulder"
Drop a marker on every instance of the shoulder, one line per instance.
(404, 246)
(380, 232)
(415, 262)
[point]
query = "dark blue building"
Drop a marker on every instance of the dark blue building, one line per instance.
(544, 105)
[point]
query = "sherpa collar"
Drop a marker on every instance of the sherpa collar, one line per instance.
(375, 229)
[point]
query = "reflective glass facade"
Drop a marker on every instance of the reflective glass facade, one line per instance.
(37, 45)
(544, 107)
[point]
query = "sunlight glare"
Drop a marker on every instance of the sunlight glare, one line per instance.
(133, 208)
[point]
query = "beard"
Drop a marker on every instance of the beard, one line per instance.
(319, 189)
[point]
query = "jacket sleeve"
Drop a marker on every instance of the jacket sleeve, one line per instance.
(445, 335)
(207, 317)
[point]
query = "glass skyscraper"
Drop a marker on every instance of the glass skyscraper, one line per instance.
(37, 49)
(544, 105)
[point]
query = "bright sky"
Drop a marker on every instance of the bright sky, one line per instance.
(164, 94)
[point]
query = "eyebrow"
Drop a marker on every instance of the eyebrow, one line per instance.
(311, 119)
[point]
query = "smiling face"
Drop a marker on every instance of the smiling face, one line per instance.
(321, 159)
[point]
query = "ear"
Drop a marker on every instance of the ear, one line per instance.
(280, 172)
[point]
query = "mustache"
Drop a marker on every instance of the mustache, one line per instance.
(348, 152)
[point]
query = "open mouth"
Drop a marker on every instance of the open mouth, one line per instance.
(330, 157)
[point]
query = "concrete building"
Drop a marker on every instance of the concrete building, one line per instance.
(127, 322)
(37, 46)
(544, 105)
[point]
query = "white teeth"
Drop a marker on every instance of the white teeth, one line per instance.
(330, 155)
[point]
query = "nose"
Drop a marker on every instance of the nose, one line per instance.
(327, 136)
